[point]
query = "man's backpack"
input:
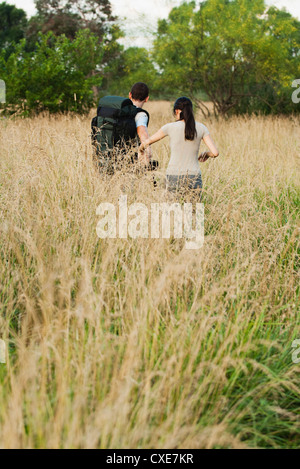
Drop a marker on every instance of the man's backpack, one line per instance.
(114, 126)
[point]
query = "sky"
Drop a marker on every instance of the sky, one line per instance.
(146, 14)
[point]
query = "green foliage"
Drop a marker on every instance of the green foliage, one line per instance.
(13, 23)
(238, 54)
(67, 18)
(57, 77)
(134, 65)
(243, 58)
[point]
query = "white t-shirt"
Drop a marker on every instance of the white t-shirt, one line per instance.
(184, 153)
(141, 119)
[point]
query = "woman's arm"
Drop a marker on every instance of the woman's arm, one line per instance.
(155, 138)
(213, 153)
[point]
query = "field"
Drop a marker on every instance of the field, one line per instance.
(142, 343)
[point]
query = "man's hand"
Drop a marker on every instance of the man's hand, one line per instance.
(203, 157)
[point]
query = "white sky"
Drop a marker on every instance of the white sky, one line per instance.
(147, 12)
(155, 8)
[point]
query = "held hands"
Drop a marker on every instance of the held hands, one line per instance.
(144, 158)
(203, 157)
(143, 146)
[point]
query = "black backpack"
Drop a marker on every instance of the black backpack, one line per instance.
(114, 126)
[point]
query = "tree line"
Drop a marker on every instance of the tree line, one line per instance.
(238, 54)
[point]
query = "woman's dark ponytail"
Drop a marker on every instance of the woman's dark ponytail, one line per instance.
(185, 105)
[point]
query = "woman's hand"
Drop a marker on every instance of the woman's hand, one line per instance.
(144, 145)
(142, 148)
(213, 151)
(203, 157)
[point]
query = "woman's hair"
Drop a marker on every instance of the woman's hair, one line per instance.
(185, 105)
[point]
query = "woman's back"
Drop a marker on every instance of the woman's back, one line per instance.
(184, 153)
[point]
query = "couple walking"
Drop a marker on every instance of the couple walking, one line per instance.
(185, 136)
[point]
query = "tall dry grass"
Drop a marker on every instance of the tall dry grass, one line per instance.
(141, 343)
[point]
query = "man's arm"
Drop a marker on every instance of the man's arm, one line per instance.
(143, 134)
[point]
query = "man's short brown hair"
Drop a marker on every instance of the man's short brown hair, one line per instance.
(140, 91)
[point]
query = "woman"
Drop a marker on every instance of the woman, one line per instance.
(185, 139)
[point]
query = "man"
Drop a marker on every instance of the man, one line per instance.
(139, 95)
(118, 123)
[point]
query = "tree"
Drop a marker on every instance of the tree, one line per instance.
(242, 55)
(57, 77)
(13, 23)
(67, 17)
(133, 65)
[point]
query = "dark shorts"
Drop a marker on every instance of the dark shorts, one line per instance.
(177, 183)
(187, 188)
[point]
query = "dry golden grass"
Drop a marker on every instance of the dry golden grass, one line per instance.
(140, 343)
